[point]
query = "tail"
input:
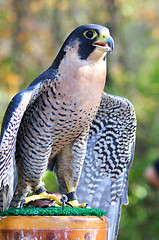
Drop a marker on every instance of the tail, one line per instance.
(113, 215)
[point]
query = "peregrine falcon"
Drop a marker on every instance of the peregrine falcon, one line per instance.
(50, 120)
(64, 122)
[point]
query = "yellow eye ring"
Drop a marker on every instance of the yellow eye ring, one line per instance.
(90, 34)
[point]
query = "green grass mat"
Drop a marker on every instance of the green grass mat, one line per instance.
(53, 211)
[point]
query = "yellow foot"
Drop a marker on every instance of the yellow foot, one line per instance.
(75, 203)
(43, 195)
(57, 200)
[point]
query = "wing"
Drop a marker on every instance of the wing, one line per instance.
(104, 179)
(10, 126)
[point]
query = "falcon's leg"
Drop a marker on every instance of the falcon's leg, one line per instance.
(27, 183)
(21, 192)
(68, 167)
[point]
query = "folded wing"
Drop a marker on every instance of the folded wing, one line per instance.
(104, 179)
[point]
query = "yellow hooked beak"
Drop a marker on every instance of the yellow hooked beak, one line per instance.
(105, 43)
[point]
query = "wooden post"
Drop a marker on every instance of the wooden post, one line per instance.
(53, 227)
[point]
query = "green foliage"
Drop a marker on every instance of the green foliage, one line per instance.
(32, 33)
(50, 182)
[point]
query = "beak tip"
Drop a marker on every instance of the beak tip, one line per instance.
(110, 43)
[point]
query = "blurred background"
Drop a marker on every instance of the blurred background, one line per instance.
(31, 33)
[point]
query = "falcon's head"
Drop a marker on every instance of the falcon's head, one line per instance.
(88, 41)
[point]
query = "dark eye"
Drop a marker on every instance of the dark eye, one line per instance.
(90, 34)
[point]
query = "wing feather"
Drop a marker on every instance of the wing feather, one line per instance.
(104, 179)
(10, 126)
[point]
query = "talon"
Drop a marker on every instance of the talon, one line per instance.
(69, 204)
(52, 204)
(86, 205)
(63, 203)
(64, 200)
(22, 203)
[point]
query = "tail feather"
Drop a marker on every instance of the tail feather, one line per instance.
(113, 215)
